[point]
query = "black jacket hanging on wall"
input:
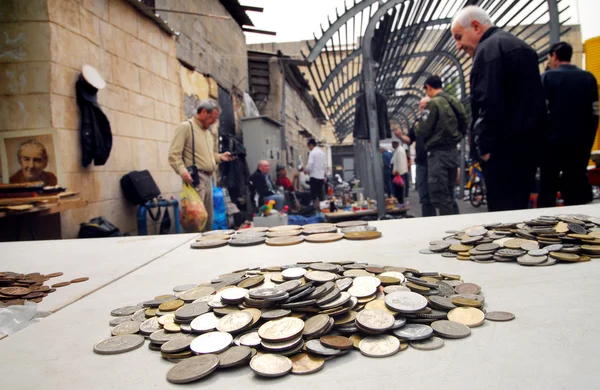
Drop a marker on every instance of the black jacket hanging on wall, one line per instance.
(96, 137)
(361, 122)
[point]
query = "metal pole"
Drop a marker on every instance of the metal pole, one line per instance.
(375, 164)
(283, 116)
(554, 21)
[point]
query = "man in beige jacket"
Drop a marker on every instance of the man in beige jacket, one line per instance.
(205, 149)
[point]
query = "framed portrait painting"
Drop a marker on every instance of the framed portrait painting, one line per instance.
(29, 156)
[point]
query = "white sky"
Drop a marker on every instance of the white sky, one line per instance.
(296, 20)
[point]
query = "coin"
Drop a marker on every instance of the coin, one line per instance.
(171, 305)
(246, 240)
(285, 228)
(375, 320)
(351, 224)
(119, 320)
(218, 232)
(18, 291)
(428, 345)
(466, 302)
(149, 326)
(205, 322)
(379, 346)
(234, 356)
(129, 327)
(125, 311)
(469, 316)
(319, 230)
(320, 276)
(61, 284)
(468, 288)
(306, 363)
(234, 322)
(411, 332)
(208, 244)
(315, 325)
(284, 241)
(212, 342)
(284, 233)
(281, 330)
(450, 329)
(79, 280)
(324, 237)
(499, 316)
(119, 344)
(293, 273)
(270, 365)
(192, 369)
(362, 235)
(405, 302)
(224, 237)
(564, 256)
(178, 344)
(336, 342)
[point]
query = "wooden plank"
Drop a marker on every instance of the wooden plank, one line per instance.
(37, 199)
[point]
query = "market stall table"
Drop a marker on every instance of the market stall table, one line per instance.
(339, 216)
(551, 344)
(102, 260)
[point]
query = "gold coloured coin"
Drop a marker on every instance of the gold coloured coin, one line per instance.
(172, 327)
(466, 302)
(403, 346)
(306, 363)
(370, 235)
(356, 340)
(379, 304)
(583, 259)
(251, 281)
(469, 316)
(171, 305)
(565, 256)
(416, 287)
(464, 258)
(460, 248)
(151, 312)
(166, 319)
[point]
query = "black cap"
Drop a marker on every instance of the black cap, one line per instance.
(434, 82)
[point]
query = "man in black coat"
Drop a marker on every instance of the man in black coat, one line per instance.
(572, 96)
(508, 107)
(261, 183)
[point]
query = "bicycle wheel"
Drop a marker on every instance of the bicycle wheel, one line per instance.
(476, 195)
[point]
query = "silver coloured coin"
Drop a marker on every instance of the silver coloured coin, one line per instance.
(344, 283)
(234, 356)
(324, 267)
(531, 260)
(184, 287)
(281, 345)
(450, 329)
(125, 311)
(129, 327)
(293, 273)
(316, 347)
(339, 301)
(270, 365)
(205, 323)
(275, 314)
(212, 342)
(375, 320)
(192, 310)
(412, 332)
(192, 369)
(149, 326)
(405, 301)
(234, 295)
(392, 288)
(251, 339)
(379, 346)
(160, 336)
(499, 316)
(119, 344)
(235, 322)
(429, 344)
(119, 320)
(177, 345)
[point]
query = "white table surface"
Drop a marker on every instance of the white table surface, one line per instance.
(552, 344)
(103, 260)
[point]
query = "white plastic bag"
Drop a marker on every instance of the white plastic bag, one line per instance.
(16, 317)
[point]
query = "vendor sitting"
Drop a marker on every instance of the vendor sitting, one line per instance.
(296, 198)
(261, 182)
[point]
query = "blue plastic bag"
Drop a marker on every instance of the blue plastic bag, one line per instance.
(220, 210)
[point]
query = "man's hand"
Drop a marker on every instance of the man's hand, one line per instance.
(227, 156)
(186, 177)
(485, 157)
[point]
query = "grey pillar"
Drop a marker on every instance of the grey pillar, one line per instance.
(554, 21)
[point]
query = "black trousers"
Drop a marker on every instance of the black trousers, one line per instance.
(572, 183)
(442, 171)
(509, 179)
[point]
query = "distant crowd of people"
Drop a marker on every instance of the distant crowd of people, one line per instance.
(521, 121)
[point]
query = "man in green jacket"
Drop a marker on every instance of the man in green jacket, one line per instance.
(442, 125)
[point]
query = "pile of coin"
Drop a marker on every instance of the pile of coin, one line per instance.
(17, 288)
(287, 235)
(293, 318)
(538, 242)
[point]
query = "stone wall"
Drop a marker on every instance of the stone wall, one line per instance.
(215, 47)
(50, 40)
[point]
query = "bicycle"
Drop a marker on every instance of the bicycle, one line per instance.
(476, 185)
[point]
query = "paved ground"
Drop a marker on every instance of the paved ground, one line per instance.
(464, 206)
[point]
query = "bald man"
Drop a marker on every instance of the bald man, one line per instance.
(264, 187)
(508, 107)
